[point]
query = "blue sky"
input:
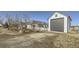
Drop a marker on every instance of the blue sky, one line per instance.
(43, 15)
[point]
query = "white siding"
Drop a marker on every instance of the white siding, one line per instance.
(65, 24)
(59, 16)
(29, 26)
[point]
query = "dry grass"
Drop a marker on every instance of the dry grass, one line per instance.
(58, 41)
(1, 29)
(40, 40)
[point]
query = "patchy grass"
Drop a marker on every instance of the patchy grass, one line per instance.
(57, 41)
(4, 37)
(40, 40)
(1, 29)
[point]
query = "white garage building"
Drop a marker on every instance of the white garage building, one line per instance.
(59, 22)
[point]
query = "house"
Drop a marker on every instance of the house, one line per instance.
(74, 28)
(38, 25)
(59, 22)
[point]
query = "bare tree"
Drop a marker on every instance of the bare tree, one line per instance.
(1, 20)
(18, 23)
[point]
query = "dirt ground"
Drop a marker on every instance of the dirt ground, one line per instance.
(39, 40)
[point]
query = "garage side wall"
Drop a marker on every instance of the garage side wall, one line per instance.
(65, 25)
(68, 24)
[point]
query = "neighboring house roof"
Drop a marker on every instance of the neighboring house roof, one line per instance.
(39, 23)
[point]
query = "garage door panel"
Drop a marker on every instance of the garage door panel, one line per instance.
(57, 24)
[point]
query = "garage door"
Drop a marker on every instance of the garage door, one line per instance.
(57, 24)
